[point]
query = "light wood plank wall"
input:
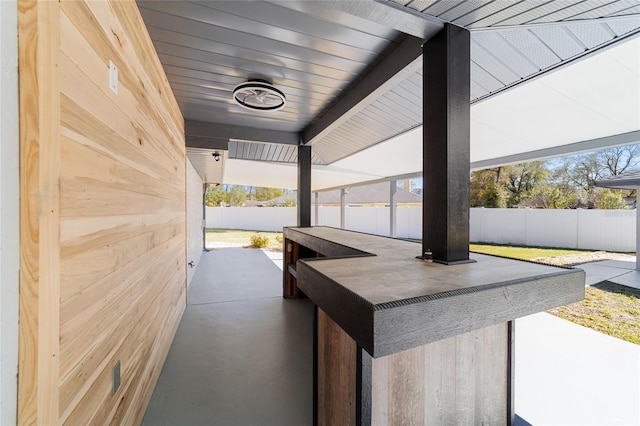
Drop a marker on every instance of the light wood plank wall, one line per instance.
(102, 213)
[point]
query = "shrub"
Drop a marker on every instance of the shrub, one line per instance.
(279, 239)
(259, 241)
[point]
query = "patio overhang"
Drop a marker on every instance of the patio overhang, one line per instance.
(545, 81)
(630, 181)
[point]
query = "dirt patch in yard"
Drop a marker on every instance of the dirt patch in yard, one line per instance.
(579, 258)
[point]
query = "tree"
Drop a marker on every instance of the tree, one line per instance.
(605, 198)
(216, 196)
(523, 180)
(570, 183)
(237, 195)
(486, 189)
(265, 194)
(585, 169)
(620, 159)
(549, 196)
(506, 186)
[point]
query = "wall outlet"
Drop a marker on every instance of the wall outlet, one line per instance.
(116, 378)
(113, 77)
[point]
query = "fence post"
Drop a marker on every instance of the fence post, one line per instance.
(637, 230)
(393, 206)
(315, 205)
(578, 210)
(343, 208)
(526, 225)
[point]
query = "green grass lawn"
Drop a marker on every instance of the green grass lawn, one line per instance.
(609, 308)
(242, 237)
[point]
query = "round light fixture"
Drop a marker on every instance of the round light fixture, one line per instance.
(259, 95)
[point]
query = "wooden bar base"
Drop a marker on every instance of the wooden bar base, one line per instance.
(399, 341)
(460, 380)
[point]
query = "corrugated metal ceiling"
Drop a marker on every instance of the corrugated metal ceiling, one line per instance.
(484, 13)
(270, 152)
(207, 48)
(210, 171)
(313, 50)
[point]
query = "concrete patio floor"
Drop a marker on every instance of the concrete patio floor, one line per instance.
(621, 272)
(567, 374)
(242, 356)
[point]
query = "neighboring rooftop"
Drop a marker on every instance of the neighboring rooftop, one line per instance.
(628, 180)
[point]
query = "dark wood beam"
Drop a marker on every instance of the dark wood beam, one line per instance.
(395, 67)
(200, 131)
(206, 143)
(446, 139)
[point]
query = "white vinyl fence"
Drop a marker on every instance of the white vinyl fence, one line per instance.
(613, 230)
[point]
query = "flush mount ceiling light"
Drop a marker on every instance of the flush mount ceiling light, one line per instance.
(259, 95)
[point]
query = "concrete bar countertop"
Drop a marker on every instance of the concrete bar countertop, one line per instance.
(389, 301)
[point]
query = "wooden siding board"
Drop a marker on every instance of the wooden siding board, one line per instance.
(98, 405)
(104, 250)
(79, 234)
(93, 334)
(133, 38)
(127, 122)
(125, 152)
(115, 174)
(38, 26)
(138, 91)
(87, 268)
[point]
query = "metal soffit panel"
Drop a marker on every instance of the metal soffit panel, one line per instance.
(313, 50)
(500, 59)
(486, 13)
(210, 170)
(270, 152)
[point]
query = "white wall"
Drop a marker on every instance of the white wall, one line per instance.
(194, 219)
(613, 230)
(9, 211)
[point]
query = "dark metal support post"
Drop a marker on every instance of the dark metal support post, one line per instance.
(304, 185)
(446, 135)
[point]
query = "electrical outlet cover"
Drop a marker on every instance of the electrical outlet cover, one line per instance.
(116, 378)
(113, 77)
